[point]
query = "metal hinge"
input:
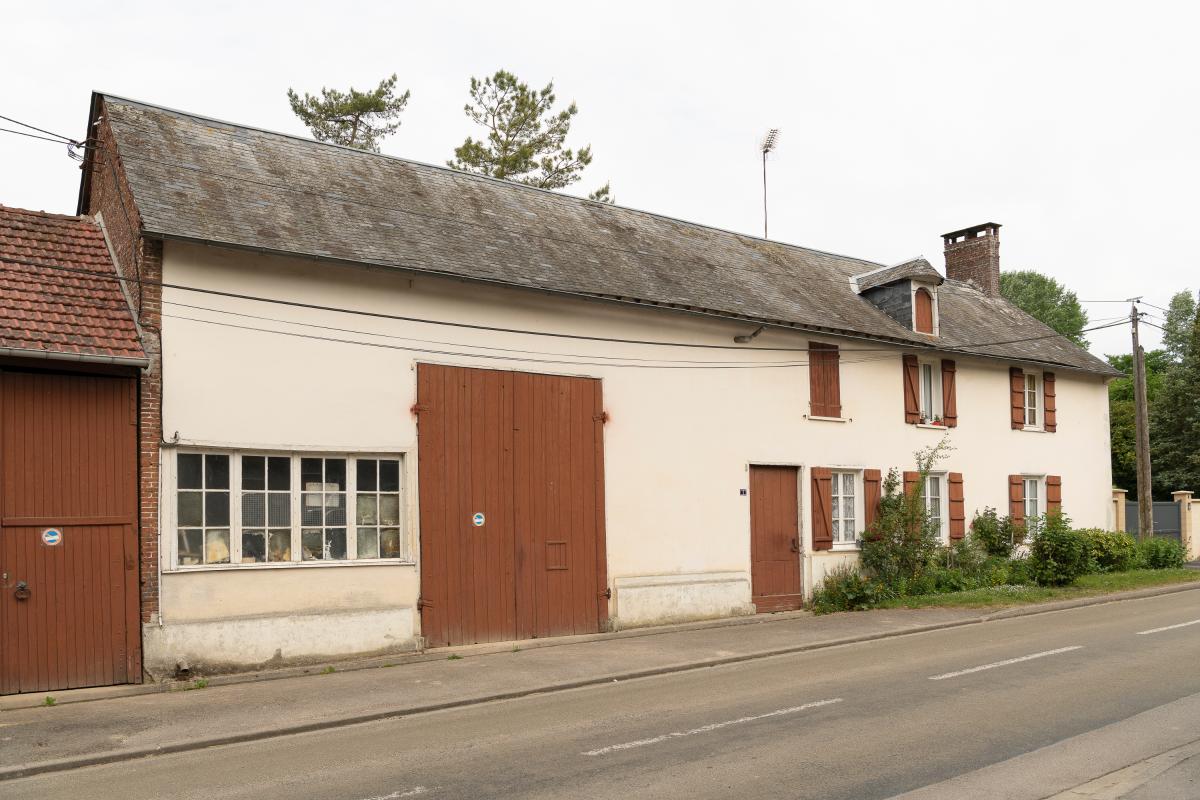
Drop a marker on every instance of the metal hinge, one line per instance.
(606, 594)
(418, 408)
(601, 417)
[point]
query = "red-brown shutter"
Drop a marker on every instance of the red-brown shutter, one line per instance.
(872, 483)
(822, 508)
(1016, 382)
(1016, 499)
(1051, 418)
(958, 512)
(1054, 493)
(924, 313)
(911, 479)
(949, 394)
(912, 394)
(823, 380)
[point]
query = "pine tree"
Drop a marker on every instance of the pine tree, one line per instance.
(352, 118)
(1175, 420)
(525, 137)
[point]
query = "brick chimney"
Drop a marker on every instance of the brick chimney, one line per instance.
(973, 254)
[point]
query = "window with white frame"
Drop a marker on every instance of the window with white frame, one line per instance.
(1034, 497)
(267, 508)
(931, 391)
(937, 504)
(844, 507)
(1033, 392)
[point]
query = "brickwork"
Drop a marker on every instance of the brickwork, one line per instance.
(974, 255)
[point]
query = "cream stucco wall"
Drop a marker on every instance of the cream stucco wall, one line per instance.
(677, 445)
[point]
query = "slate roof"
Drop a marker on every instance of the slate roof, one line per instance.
(47, 309)
(914, 269)
(200, 179)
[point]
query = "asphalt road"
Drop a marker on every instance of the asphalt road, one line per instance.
(859, 721)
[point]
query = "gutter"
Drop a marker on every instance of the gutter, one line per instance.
(87, 358)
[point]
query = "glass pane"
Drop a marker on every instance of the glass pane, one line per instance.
(335, 473)
(310, 509)
(280, 546)
(191, 547)
(848, 484)
(254, 547)
(254, 472)
(216, 472)
(389, 509)
(368, 543)
(368, 510)
(190, 508)
(1031, 382)
(837, 536)
(188, 467)
(311, 547)
(335, 509)
(279, 509)
(216, 509)
(310, 471)
(279, 473)
(366, 475)
(389, 476)
(254, 510)
(216, 547)
(1031, 489)
(335, 540)
(389, 543)
(1031, 417)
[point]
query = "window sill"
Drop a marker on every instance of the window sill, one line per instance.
(929, 426)
(846, 548)
(366, 562)
(827, 419)
(1034, 429)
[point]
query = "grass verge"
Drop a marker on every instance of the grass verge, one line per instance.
(1085, 586)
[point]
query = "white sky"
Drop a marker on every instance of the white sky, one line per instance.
(1074, 124)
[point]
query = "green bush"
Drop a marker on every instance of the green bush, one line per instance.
(995, 571)
(1058, 554)
(995, 534)
(953, 579)
(1110, 551)
(847, 589)
(1020, 572)
(1159, 552)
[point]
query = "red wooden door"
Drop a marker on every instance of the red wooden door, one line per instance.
(68, 462)
(775, 538)
(522, 454)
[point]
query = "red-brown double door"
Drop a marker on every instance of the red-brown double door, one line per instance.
(511, 475)
(775, 538)
(68, 535)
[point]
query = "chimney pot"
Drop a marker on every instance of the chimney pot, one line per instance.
(973, 255)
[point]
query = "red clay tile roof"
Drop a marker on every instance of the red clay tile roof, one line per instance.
(47, 306)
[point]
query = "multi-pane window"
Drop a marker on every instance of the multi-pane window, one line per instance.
(323, 508)
(933, 502)
(1032, 498)
(266, 509)
(845, 528)
(1031, 399)
(377, 508)
(202, 508)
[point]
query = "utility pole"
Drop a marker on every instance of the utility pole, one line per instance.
(1142, 444)
(768, 144)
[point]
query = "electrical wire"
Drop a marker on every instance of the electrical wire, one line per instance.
(66, 139)
(32, 135)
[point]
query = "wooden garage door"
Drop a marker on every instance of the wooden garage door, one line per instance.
(525, 453)
(775, 538)
(68, 463)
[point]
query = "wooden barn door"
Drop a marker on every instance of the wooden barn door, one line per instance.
(511, 489)
(68, 532)
(775, 538)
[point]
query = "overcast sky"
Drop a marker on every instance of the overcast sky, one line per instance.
(1075, 125)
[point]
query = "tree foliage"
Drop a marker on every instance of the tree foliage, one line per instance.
(1121, 417)
(525, 138)
(352, 118)
(1177, 328)
(1047, 300)
(1175, 420)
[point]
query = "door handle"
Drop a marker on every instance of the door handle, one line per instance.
(21, 592)
(795, 545)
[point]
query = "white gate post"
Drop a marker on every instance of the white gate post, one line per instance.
(1187, 534)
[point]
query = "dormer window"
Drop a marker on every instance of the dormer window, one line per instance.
(906, 292)
(923, 311)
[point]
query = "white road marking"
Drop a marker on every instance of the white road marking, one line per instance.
(416, 791)
(1006, 662)
(707, 728)
(1169, 627)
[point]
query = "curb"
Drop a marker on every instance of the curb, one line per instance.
(61, 765)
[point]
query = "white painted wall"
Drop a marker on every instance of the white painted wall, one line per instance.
(677, 446)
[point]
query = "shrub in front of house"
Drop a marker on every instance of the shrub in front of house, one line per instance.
(1159, 552)
(1058, 554)
(845, 588)
(1110, 551)
(997, 535)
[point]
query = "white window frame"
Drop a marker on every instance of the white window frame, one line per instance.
(1039, 407)
(934, 397)
(912, 302)
(1038, 482)
(168, 509)
(859, 507)
(943, 503)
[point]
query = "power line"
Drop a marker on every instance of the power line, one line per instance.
(31, 135)
(66, 139)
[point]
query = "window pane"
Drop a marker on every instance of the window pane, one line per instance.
(335, 473)
(216, 509)
(191, 547)
(188, 466)
(254, 472)
(848, 484)
(279, 473)
(281, 546)
(254, 547)
(216, 472)
(1031, 416)
(216, 547)
(389, 543)
(837, 536)
(310, 509)
(335, 539)
(311, 545)
(368, 543)
(366, 475)
(389, 476)
(368, 510)
(927, 390)
(190, 509)
(335, 509)
(279, 509)
(310, 471)
(254, 510)
(389, 509)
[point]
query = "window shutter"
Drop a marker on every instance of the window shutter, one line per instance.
(949, 394)
(958, 514)
(911, 479)
(872, 482)
(1016, 381)
(1049, 417)
(1054, 493)
(822, 508)
(823, 380)
(924, 311)
(912, 394)
(1016, 499)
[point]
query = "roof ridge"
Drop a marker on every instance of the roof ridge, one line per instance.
(29, 212)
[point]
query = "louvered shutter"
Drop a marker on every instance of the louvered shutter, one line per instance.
(912, 392)
(958, 512)
(823, 380)
(1016, 499)
(872, 491)
(822, 508)
(1051, 417)
(949, 394)
(1054, 493)
(1016, 382)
